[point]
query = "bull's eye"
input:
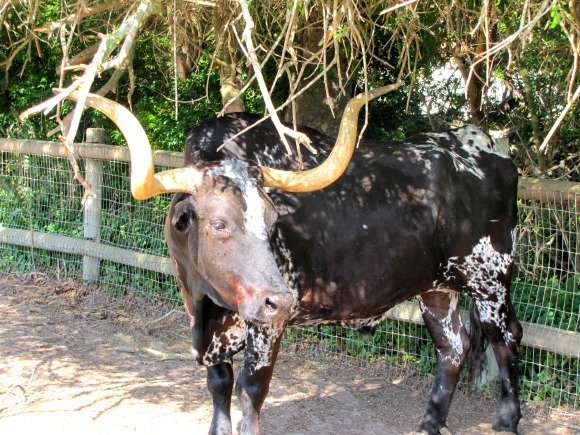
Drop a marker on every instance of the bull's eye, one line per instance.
(218, 225)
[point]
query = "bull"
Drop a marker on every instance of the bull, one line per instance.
(257, 247)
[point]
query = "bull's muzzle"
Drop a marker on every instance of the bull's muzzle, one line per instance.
(267, 307)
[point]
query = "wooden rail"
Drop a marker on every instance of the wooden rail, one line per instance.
(78, 246)
(537, 189)
(554, 191)
(96, 151)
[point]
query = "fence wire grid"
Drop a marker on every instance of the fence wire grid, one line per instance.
(38, 193)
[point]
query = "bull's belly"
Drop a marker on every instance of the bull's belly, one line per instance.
(360, 314)
(362, 324)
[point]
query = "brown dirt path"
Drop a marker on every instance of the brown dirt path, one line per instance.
(72, 360)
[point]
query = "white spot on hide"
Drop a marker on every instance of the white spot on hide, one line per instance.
(482, 268)
(263, 338)
(237, 171)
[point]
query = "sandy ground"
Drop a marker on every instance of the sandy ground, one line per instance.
(72, 360)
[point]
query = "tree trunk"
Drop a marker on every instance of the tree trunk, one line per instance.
(230, 90)
(534, 118)
(474, 69)
(228, 56)
(315, 108)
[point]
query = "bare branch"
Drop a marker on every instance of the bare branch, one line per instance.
(545, 144)
(397, 6)
(317, 47)
(85, 11)
(48, 105)
(250, 52)
(523, 31)
(127, 32)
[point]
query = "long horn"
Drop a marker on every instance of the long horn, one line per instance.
(338, 160)
(144, 182)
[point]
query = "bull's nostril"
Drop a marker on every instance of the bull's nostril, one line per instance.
(271, 304)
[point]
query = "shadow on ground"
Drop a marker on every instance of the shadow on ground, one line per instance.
(73, 360)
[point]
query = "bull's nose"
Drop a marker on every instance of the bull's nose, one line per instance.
(271, 304)
(276, 307)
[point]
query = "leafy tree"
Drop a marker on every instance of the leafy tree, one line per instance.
(286, 58)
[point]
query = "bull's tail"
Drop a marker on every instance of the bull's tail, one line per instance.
(478, 342)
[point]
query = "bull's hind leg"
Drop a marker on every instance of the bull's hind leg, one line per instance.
(441, 315)
(504, 332)
(487, 273)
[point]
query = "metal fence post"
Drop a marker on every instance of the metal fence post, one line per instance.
(92, 208)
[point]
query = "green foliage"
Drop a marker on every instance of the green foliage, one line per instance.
(394, 343)
(548, 303)
(547, 59)
(29, 77)
(23, 92)
(545, 286)
(547, 377)
(154, 98)
(51, 204)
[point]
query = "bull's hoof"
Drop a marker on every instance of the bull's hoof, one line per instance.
(497, 429)
(443, 431)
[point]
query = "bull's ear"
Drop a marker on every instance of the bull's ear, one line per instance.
(183, 214)
(256, 173)
(284, 203)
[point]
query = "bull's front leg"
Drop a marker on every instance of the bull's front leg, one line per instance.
(262, 345)
(220, 382)
(222, 337)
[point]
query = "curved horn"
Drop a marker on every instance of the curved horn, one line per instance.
(144, 182)
(338, 160)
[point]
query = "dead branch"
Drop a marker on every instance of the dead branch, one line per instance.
(250, 53)
(163, 317)
(127, 33)
(85, 11)
(14, 394)
(556, 125)
(345, 43)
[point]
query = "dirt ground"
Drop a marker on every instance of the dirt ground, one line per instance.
(72, 360)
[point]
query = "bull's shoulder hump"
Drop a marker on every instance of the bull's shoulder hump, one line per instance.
(470, 138)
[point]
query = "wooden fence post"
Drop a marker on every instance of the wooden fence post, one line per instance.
(92, 211)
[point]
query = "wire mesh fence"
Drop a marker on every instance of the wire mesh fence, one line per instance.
(40, 198)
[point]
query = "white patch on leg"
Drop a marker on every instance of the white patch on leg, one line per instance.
(482, 268)
(263, 339)
(225, 344)
(453, 336)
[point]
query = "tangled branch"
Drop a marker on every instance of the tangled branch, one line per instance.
(307, 45)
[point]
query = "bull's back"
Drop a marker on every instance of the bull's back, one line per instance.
(382, 232)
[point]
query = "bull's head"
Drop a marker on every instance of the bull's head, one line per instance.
(222, 233)
(225, 214)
